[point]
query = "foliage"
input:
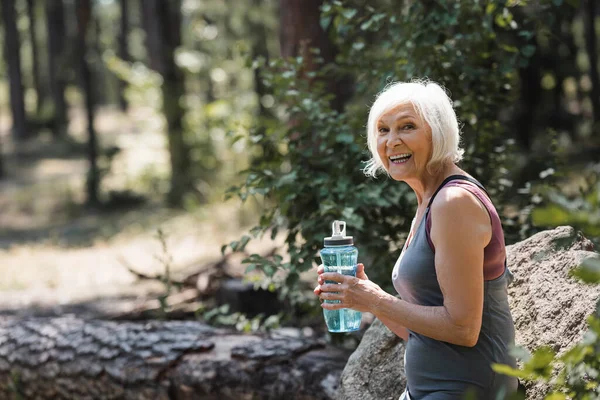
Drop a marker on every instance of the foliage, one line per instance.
(575, 203)
(221, 316)
(315, 176)
(166, 259)
(579, 368)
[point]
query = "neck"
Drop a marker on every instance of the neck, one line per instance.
(425, 185)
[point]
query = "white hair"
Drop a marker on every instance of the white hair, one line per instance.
(433, 105)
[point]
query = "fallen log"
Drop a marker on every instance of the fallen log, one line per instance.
(70, 358)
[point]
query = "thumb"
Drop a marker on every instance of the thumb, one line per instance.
(360, 272)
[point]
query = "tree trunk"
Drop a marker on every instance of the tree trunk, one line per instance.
(590, 44)
(84, 16)
(1, 162)
(123, 50)
(162, 23)
(11, 54)
(260, 49)
(56, 64)
(69, 358)
(35, 56)
(99, 75)
(299, 31)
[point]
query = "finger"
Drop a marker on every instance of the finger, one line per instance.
(330, 296)
(333, 276)
(317, 290)
(321, 269)
(360, 271)
(331, 287)
(320, 280)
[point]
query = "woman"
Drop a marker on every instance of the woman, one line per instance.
(451, 275)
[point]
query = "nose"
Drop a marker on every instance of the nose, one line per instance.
(393, 141)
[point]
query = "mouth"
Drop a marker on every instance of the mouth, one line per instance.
(400, 158)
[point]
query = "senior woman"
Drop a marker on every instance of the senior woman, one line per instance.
(451, 275)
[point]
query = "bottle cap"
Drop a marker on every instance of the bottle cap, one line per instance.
(338, 235)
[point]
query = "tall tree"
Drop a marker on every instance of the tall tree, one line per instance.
(589, 16)
(123, 49)
(162, 23)
(1, 164)
(260, 49)
(99, 74)
(299, 31)
(11, 53)
(84, 16)
(57, 63)
(35, 55)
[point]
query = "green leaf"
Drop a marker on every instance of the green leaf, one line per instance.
(556, 396)
(541, 361)
(349, 13)
(510, 371)
(358, 45)
(589, 270)
(366, 25)
(528, 50)
(325, 22)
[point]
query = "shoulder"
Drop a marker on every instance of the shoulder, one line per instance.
(458, 200)
(456, 210)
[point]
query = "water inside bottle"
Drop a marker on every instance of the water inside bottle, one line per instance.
(344, 320)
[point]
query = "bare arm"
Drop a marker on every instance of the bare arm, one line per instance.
(461, 229)
(395, 326)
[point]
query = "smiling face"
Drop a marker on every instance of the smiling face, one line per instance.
(404, 143)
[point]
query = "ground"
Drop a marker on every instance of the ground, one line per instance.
(55, 253)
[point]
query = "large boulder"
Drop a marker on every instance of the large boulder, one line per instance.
(375, 371)
(549, 308)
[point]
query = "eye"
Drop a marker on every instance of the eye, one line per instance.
(383, 130)
(408, 126)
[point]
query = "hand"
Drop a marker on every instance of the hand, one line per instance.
(358, 293)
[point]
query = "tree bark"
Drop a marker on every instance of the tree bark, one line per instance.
(11, 53)
(299, 31)
(590, 44)
(260, 49)
(162, 23)
(1, 162)
(35, 56)
(99, 75)
(69, 358)
(123, 50)
(84, 16)
(56, 64)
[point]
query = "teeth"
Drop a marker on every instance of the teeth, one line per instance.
(398, 156)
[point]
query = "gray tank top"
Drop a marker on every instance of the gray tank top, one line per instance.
(437, 370)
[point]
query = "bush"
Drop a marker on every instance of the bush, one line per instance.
(313, 171)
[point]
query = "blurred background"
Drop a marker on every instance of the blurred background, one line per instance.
(185, 158)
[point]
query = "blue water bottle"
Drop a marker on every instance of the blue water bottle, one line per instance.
(340, 255)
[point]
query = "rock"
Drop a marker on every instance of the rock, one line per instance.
(548, 306)
(375, 371)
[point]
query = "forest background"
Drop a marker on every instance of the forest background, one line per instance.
(164, 158)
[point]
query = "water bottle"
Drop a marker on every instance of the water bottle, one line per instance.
(339, 255)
